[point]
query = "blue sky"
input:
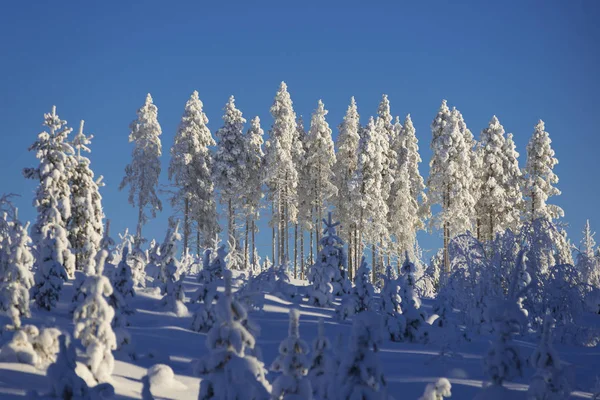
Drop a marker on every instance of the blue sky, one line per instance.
(97, 60)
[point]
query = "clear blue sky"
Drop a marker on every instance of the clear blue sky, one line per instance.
(97, 60)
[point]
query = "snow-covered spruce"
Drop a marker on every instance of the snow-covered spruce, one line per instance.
(92, 319)
(394, 321)
(172, 275)
(550, 381)
(417, 329)
(438, 390)
(360, 297)
(322, 368)
(190, 174)
(540, 178)
(229, 371)
(66, 384)
(209, 278)
(122, 284)
(588, 263)
(328, 275)
(503, 361)
(360, 375)
(53, 192)
(293, 364)
(141, 175)
(344, 169)
(229, 170)
(16, 261)
(52, 263)
(32, 346)
(85, 225)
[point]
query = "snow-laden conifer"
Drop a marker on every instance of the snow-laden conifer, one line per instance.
(229, 371)
(306, 220)
(16, 261)
(253, 193)
(281, 173)
(387, 136)
(92, 319)
(513, 184)
(320, 158)
(190, 173)
(550, 380)
(343, 171)
(368, 186)
(360, 297)
(360, 374)
(85, 225)
(122, 284)
(212, 273)
(322, 368)
(293, 364)
(328, 275)
(142, 174)
(450, 177)
(540, 177)
(588, 263)
(394, 322)
(437, 390)
(172, 274)
(415, 318)
(229, 169)
(52, 263)
(53, 191)
(66, 384)
(404, 218)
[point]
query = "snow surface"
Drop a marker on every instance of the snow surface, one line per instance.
(162, 338)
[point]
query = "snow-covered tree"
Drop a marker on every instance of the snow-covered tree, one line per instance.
(229, 169)
(322, 368)
(503, 361)
(438, 390)
(66, 384)
(343, 171)
(305, 220)
(53, 171)
(360, 297)
(293, 364)
(513, 184)
(368, 184)
(588, 263)
(281, 172)
(404, 218)
(212, 272)
(415, 318)
(387, 136)
(450, 177)
(328, 276)
(320, 158)
(190, 172)
(141, 175)
(85, 225)
(394, 321)
(254, 179)
(92, 319)
(16, 261)
(540, 178)
(550, 380)
(360, 375)
(172, 274)
(229, 371)
(52, 263)
(122, 284)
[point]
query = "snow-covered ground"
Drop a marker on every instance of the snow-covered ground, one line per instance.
(162, 338)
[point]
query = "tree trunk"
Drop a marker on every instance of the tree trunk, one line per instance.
(350, 253)
(186, 223)
(273, 243)
(198, 239)
(296, 251)
(373, 266)
(302, 274)
(246, 246)
(138, 233)
(253, 243)
(311, 262)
